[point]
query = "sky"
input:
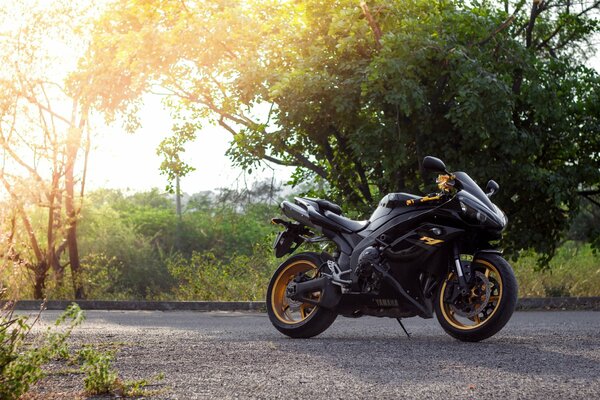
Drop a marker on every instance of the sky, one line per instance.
(129, 161)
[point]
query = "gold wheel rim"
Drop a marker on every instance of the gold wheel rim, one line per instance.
(478, 320)
(285, 309)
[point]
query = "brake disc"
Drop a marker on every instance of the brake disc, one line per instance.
(474, 302)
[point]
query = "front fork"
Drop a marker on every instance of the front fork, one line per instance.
(462, 271)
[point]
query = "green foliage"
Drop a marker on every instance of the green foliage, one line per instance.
(99, 378)
(171, 149)
(21, 361)
(206, 277)
(129, 251)
(574, 271)
(127, 241)
(586, 225)
(357, 95)
(138, 388)
(119, 257)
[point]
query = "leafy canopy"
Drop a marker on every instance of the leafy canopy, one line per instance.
(354, 94)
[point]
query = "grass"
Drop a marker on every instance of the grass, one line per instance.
(574, 271)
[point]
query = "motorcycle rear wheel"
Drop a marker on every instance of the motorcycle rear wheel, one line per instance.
(488, 306)
(292, 318)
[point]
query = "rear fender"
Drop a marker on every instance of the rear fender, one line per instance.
(288, 241)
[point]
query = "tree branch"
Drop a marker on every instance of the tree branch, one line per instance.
(536, 8)
(86, 156)
(301, 160)
(26, 222)
(372, 23)
(559, 27)
(51, 116)
(278, 161)
(6, 146)
(205, 101)
(499, 29)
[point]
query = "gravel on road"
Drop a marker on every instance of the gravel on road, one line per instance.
(218, 355)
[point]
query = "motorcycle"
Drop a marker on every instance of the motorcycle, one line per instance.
(415, 256)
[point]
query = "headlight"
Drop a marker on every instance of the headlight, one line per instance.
(473, 213)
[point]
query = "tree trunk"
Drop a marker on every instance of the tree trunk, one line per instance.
(73, 145)
(39, 285)
(74, 261)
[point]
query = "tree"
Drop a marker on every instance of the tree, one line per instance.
(355, 94)
(44, 138)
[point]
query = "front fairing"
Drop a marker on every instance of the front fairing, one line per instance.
(476, 206)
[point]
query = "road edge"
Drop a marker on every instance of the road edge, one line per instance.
(525, 304)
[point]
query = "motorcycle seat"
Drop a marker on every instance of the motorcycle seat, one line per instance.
(350, 224)
(326, 205)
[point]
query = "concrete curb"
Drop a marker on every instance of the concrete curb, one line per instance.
(525, 304)
(31, 305)
(559, 303)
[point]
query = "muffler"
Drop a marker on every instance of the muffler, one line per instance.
(329, 297)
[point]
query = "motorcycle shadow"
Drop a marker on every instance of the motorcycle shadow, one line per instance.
(369, 350)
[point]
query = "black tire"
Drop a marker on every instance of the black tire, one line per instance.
(317, 320)
(501, 313)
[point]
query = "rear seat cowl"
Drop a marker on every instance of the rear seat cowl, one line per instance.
(327, 205)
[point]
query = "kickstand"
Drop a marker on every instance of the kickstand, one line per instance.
(403, 328)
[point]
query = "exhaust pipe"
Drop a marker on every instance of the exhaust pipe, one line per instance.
(330, 293)
(297, 290)
(297, 213)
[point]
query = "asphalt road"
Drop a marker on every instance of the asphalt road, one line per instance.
(538, 355)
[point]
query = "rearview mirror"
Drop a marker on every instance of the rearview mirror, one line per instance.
(434, 164)
(491, 188)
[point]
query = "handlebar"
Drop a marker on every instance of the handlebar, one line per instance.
(414, 202)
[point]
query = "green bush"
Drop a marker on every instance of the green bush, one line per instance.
(136, 247)
(21, 361)
(206, 277)
(574, 271)
(100, 377)
(118, 261)
(125, 242)
(22, 357)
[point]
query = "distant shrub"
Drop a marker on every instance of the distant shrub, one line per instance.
(557, 290)
(118, 261)
(205, 277)
(574, 271)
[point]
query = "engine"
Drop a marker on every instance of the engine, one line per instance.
(368, 278)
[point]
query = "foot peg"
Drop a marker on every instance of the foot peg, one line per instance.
(336, 275)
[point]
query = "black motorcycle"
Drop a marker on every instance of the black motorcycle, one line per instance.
(413, 256)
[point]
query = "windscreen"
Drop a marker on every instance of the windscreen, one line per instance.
(469, 185)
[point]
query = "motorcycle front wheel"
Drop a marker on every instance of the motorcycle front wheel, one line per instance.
(488, 305)
(293, 318)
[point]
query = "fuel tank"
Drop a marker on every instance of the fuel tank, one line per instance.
(390, 205)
